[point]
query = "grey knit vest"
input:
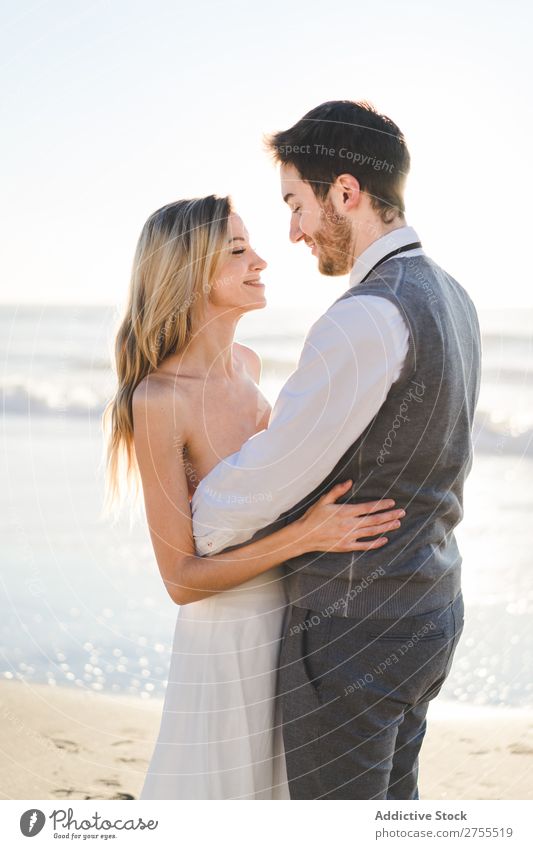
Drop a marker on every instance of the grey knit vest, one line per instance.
(417, 450)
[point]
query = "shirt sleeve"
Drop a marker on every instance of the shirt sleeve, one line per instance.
(351, 357)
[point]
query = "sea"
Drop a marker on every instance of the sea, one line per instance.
(82, 601)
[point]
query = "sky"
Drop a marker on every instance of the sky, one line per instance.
(112, 109)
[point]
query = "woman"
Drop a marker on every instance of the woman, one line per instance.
(187, 397)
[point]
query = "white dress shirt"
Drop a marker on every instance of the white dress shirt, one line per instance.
(351, 357)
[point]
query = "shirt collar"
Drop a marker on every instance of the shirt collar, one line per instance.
(380, 248)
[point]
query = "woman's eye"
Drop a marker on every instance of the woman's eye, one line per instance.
(239, 251)
(296, 209)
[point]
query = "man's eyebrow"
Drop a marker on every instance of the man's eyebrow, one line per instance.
(287, 196)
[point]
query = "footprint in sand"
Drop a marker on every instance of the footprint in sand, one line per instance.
(520, 749)
(109, 782)
(121, 742)
(67, 792)
(61, 743)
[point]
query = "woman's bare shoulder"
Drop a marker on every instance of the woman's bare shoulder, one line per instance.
(250, 359)
(154, 389)
(158, 400)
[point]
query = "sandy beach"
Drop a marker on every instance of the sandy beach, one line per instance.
(60, 743)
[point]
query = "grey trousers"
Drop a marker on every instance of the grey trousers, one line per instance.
(354, 696)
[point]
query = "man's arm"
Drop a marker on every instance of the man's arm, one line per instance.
(351, 357)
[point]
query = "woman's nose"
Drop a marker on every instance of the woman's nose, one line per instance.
(260, 263)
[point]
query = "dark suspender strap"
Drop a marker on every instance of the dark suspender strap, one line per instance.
(410, 247)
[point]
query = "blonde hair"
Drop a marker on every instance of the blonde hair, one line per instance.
(179, 254)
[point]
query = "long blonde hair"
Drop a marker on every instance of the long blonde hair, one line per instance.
(179, 253)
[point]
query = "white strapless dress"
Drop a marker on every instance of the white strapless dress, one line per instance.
(220, 735)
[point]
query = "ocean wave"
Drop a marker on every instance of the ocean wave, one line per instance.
(490, 436)
(19, 400)
(501, 437)
(518, 375)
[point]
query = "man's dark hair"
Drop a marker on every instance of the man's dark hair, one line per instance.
(344, 137)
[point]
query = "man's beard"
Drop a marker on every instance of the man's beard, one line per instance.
(335, 240)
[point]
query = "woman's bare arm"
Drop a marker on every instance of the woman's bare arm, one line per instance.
(159, 438)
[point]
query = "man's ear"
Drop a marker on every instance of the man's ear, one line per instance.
(348, 191)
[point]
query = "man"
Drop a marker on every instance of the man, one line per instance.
(384, 394)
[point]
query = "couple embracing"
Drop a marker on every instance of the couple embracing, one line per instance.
(310, 546)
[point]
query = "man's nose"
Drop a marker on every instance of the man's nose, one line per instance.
(295, 234)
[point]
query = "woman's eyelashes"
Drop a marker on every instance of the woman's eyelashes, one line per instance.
(238, 251)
